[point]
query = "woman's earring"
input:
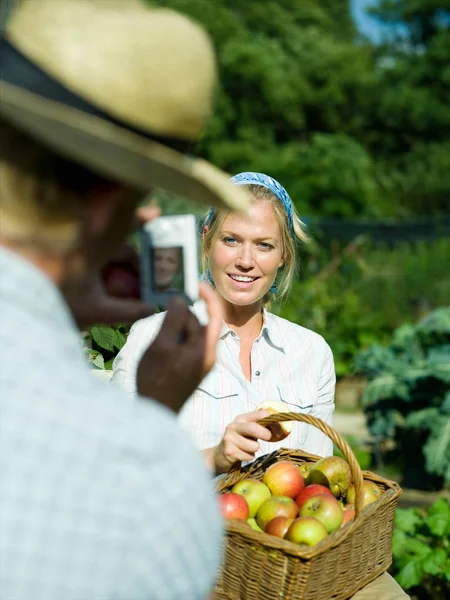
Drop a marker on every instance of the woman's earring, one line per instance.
(273, 289)
(209, 277)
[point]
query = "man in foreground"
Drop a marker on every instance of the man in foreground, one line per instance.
(100, 498)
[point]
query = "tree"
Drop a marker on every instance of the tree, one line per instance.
(409, 120)
(293, 85)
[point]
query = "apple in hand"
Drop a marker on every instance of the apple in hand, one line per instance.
(255, 492)
(306, 530)
(280, 430)
(371, 492)
(278, 526)
(326, 509)
(333, 472)
(253, 524)
(284, 479)
(277, 506)
(311, 490)
(233, 506)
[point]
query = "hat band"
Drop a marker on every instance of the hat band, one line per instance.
(18, 70)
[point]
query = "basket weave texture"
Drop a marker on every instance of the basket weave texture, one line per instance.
(258, 566)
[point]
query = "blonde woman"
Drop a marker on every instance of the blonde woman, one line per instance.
(250, 259)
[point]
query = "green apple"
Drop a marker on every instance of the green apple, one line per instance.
(277, 506)
(255, 492)
(253, 524)
(306, 530)
(326, 509)
(333, 472)
(371, 492)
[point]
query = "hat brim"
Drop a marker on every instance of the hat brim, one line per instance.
(118, 153)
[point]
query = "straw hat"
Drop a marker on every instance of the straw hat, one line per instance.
(117, 86)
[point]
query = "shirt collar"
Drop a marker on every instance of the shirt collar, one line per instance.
(268, 331)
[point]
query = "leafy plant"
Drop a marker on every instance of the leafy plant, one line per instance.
(103, 343)
(360, 295)
(407, 399)
(421, 550)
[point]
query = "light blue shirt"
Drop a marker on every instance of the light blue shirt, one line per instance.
(100, 499)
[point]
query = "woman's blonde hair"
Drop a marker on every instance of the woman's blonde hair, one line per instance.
(42, 196)
(289, 239)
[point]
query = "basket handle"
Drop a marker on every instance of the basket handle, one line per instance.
(336, 439)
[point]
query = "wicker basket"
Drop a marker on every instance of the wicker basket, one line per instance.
(258, 566)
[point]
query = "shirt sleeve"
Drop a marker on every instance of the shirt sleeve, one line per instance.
(126, 362)
(316, 441)
(182, 531)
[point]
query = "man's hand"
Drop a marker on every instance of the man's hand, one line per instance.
(112, 295)
(182, 354)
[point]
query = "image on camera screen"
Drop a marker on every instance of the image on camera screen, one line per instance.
(167, 269)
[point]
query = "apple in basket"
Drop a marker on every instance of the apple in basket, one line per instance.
(349, 513)
(304, 470)
(311, 490)
(283, 478)
(278, 526)
(306, 530)
(277, 506)
(253, 524)
(233, 506)
(255, 492)
(281, 430)
(326, 509)
(371, 493)
(333, 472)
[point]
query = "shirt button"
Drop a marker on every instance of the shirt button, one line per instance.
(257, 373)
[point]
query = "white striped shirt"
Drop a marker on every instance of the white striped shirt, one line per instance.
(289, 363)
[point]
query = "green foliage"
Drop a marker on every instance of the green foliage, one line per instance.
(421, 550)
(365, 292)
(103, 343)
(408, 397)
(348, 128)
(409, 120)
(292, 84)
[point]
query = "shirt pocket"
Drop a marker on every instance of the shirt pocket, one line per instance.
(215, 393)
(298, 402)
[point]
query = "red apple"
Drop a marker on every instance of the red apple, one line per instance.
(278, 526)
(326, 509)
(333, 472)
(284, 479)
(349, 513)
(280, 430)
(255, 492)
(371, 492)
(277, 506)
(311, 490)
(233, 506)
(306, 530)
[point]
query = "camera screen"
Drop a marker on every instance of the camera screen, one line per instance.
(167, 269)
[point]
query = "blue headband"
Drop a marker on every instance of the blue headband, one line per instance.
(271, 184)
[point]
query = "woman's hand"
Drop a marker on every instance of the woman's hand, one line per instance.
(239, 442)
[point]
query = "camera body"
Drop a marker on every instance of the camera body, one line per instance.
(169, 260)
